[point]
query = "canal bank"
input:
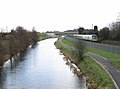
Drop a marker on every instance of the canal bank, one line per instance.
(17, 42)
(96, 76)
(42, 67)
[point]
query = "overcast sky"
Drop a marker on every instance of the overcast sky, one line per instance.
(50, 15)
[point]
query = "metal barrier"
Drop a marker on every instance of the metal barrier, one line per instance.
(105, 47)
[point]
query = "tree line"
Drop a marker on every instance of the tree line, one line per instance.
(106, 33)
(15, 42)
(111, 33)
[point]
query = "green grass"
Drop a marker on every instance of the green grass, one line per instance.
(105, 54)
(68, 42)
(43, 36)
(116, 63)
(113, 57)
(96, 75)
(66, 51)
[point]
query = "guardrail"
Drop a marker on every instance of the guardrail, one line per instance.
(105, 47)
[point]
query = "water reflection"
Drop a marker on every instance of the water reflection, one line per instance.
(42, 67)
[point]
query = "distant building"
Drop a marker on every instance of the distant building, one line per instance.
(71, 32)
(58, 34)
(52, 34)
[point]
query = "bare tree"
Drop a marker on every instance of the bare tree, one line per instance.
(115, 31)
(3, 51)
(35, 37)
(80, 46)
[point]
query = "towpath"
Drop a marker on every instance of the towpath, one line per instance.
(105, 63)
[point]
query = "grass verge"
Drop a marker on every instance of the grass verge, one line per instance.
(68, 42)
(116, 63)
(105, 54)
(43, 36)
(113, 57)
(96, 76)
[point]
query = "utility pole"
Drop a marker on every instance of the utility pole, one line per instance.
(6, 29)
(92, 26)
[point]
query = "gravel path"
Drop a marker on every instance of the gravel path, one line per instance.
(112, 71)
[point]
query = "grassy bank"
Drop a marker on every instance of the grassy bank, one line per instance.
(17, 42)
(68, 42)
(113, 57)
(95, 74)
(105, 54)
(43, 36)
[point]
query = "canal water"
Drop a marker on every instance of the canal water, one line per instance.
(42, 67)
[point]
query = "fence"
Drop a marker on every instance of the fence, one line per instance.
(105, 47)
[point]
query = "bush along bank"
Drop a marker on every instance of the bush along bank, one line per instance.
(96, 76)
(16, 41)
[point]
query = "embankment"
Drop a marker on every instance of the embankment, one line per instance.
(96, 76)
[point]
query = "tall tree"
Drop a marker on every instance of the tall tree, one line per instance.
(81, 30)
(104, 33)
(115, 31)
(35, 36)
